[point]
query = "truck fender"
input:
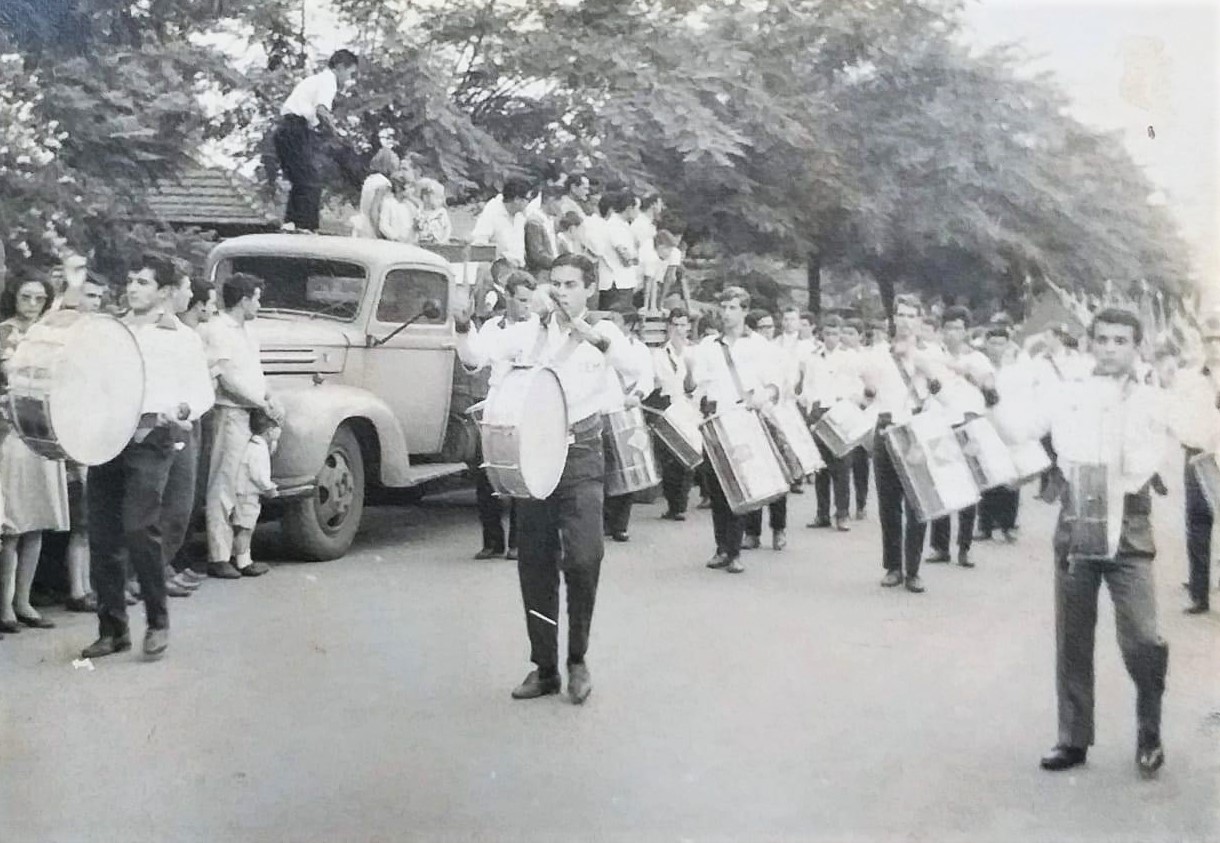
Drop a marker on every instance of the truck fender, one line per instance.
(313, 413)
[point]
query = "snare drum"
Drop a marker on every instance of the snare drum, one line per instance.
(986, 454)
(843, 427)
(1030, 459)
(744, 459)
(678, 430)
(931, 466)
(798, 453)
(631, 465)
(524, 433)
(76, 387)
(1207, 471)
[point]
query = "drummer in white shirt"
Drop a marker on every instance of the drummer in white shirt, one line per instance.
(759, 380)
(761, 326)
(967, 377)
(673, 377)
(519, 289)
(562, 533)
(852, 356)
(622, 393)
(827, 378)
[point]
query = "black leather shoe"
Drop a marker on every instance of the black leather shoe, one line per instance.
(983, 537)
(914, 584)
(172, 589)
(86, 605)
(735, 566)
(1149, 755)
(223, 571)
(751, 543)
(35, 623)
(719, 561)
(488, 553)
(1063, 758)
(963, 559)
(860, 514)
(107, 645)
(255, 569)
(1009, 536)
(156, 642)
(1196, 609)
(841, 524)
(892, 578)
(579, 683)
(938, 557)
(620, 537)
(536, 686)
(11, 627)
(511, 554)
(819, 524)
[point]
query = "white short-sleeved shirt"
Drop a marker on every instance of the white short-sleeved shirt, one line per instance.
(497, 227)
(175, 367)
(309, 94)
(234, 349)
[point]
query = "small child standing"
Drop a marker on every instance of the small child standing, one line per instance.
(433, 222)
(253, 482)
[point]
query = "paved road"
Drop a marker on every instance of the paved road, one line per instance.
(367, 700)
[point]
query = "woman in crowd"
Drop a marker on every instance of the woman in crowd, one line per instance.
(385, 212)
(35, 490)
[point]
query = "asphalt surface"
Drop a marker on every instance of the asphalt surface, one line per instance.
(367, 700)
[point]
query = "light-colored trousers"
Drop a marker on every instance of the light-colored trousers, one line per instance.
(228, 448)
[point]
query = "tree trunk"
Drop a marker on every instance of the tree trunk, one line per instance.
(885, 283)
(814, 282)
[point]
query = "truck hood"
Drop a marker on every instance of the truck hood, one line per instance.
(303, 346)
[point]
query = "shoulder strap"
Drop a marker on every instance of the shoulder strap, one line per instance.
(906, 377)
(728, 358)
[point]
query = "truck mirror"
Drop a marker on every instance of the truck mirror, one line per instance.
(432, 309)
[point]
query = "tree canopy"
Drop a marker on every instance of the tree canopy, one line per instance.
(857, 136)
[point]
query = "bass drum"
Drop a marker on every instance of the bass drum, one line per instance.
(524, 433)
(76, 387)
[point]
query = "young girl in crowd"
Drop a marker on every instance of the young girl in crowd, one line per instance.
(433, 223)
(34, 489)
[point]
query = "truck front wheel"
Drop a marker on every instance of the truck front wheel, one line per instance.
(321, 526)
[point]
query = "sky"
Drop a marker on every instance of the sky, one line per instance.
(1126, 66)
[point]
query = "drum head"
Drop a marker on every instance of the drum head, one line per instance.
(532, 399)
(97, 390)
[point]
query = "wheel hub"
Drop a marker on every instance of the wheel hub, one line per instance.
(336, 491)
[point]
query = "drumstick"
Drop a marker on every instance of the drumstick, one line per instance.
(559, 304)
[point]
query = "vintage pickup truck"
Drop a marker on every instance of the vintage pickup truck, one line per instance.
(373, 403)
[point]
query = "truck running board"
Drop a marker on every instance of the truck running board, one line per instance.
(424, 472)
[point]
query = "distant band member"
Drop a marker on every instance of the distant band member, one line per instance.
(670, 363)
(307, 108)
(621, 394)
(562, 533)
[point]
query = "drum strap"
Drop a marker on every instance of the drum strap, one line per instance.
(728, 358)
(906, 377)
(568, 349)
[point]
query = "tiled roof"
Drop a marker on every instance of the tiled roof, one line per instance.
(205, 196)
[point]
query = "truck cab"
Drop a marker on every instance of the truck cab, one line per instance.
(369, 403)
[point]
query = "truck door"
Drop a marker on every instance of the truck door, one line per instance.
(413, 372)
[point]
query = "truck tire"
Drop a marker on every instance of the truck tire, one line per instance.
(321, 526)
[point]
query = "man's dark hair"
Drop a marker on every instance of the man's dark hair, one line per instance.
(856, 325)
(1118, 316)
(621, 200)
(200, 288)
(789, 308)
(569, 221)
(649, 200)
(734, 293)
(587, 268)
(957, 313)
(342, 58)
(238, 286)
(997, 331)
(832, 321)
(517, 279)
(163, 268)
(676, 314)
(629, 314)
(757, 315)
(603, 204)
(551, 191)
(908, 300)
(516, 188)
(574, 179)
(807, 316)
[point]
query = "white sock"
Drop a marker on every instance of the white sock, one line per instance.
(243, 561)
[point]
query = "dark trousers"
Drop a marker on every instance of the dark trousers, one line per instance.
(941, 528)
(564, 533)
(617, 514)
(902, 534)
(491, 514)
(205, 433)
(295, 144)
(1145, 654)
(1199, 522)
(727, 527)
(676, 480)
(836, 478)
(777, 518)
(860, 461)
(125, 498)
(998, 509)
(181, 495)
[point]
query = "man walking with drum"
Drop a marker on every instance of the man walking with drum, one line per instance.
(126, 496)
(562, 533)
(670, 364)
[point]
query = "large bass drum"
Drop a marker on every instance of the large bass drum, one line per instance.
(741, 454)
(524, 433)
(631, 465)
(931, 466)
(76, 387)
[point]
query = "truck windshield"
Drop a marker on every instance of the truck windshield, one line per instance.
(313, 286)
